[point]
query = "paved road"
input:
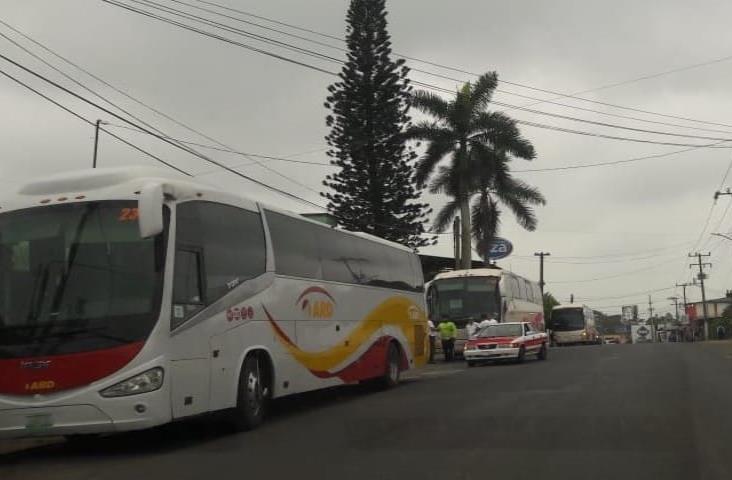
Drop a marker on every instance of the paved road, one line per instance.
(604, 412)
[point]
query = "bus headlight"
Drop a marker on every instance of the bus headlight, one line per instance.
(148, 381)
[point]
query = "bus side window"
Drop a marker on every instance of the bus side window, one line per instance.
(187, 286)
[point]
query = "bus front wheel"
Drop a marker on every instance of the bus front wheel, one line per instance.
(253, 394)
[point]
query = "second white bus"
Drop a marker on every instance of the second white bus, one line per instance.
(483, 294)
(574, 324)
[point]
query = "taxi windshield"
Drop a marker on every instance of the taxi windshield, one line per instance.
(501, 330)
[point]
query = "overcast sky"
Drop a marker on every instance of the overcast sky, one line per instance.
(639, 218)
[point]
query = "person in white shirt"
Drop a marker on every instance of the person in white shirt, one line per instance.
(433, 337)
(485, 322)
(471, 328)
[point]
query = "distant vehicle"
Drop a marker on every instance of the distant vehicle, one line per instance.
(512, 340)
(131, 299)
(483, 293)
(574, 324)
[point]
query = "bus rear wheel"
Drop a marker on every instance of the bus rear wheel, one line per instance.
(392, 372)
(252, 396)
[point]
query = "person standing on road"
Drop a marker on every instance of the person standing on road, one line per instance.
(433, 340)
(471, 328)
(448, 334)
(486, 321)
(721, 332)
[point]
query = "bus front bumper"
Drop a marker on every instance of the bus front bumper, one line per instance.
(104, 416)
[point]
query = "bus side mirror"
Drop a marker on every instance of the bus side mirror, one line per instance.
(150, 208)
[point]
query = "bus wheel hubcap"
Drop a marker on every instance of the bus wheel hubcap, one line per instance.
(393, 369)
(254, 392)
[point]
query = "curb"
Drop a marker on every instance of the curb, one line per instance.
(15, 446)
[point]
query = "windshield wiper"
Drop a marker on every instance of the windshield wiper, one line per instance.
(96, 332)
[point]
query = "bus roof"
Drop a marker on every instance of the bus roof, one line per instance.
(568, 306)
(474, 272)
(121, 183)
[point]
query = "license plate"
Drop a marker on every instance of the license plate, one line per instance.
(38, 422)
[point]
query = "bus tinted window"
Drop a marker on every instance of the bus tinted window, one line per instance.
(341, 261)
(568, 319)
(231, 239)
(295, 245)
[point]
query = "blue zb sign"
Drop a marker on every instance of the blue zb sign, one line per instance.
(500, 248)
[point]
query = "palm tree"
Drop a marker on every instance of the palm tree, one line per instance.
(480, 145)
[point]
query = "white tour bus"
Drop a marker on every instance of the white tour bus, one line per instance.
(573, 324)
(483, 293)
(130, 299)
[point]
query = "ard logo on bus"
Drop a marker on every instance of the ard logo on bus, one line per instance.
(499, 248)
(317, 303)
(40, 385)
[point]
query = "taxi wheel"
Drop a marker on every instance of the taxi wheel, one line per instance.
(542, 352)
(471, 363)
(521, 355)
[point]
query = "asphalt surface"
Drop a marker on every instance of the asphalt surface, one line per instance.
(600, 412)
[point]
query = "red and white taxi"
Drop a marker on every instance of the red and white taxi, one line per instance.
(510, 340)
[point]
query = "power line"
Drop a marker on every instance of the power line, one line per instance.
(80, 117)
(608, 277)
(218, 37)
(432, 87)
(613, 162)
(635, 294)
(437, 75)
(168, 141)
(142, 121)
(521, 85)
(229, 150)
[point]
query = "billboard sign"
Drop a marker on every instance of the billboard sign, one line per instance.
(629, 313)
(499, 248)
(641, 333)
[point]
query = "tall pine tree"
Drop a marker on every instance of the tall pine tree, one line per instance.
(374, 190)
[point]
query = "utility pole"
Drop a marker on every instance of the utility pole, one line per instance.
(650, 307)
(675, 301)
(683, 287)
(96, 140)
(541, 256)
(701, 266)
(456, 226)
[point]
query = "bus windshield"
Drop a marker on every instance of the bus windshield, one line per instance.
(77, 277)
(465, 298)
(568, 319)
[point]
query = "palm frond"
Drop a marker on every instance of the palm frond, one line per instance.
(483, 91)
(445, 216)
(431, 104)
(501, 132)
(437, 149)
